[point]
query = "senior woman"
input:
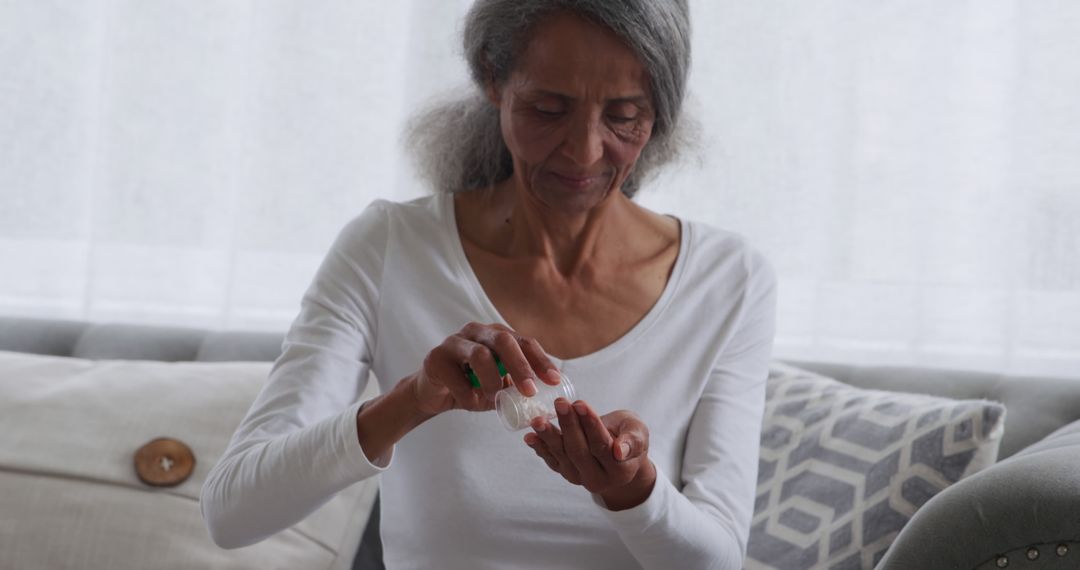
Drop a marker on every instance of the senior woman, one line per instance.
(664, 326)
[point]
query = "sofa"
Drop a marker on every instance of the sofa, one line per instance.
(1018, 508)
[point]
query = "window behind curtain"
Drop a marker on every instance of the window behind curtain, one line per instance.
(910, 167)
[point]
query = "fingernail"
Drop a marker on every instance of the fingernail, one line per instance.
(554, 375)
(625, 447)
(581, 409)
(541, 426)
(528, 387)
(561, 407)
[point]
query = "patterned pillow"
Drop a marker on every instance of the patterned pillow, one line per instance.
(843, 469)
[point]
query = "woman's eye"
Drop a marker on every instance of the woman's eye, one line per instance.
(548, 112)
(621, 119)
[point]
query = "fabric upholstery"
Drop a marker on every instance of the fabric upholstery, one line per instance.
(224, 346)
(1027, 501)
(69, 493)
(843, 469)
(121, 342)
(40, 336)
(972, 507)
(136, 342)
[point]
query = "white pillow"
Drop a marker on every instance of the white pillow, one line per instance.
(69, 493)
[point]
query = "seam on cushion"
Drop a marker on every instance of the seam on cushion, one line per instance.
(34, 473)
(135, 486)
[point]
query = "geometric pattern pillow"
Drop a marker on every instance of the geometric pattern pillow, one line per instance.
(842, 469)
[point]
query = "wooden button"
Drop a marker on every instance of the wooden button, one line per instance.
(164, 462)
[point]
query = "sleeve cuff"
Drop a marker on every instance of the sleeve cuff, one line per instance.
(355, 459)
(647, 513)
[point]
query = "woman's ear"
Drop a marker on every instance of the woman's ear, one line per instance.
(491, 86)
(493, 94)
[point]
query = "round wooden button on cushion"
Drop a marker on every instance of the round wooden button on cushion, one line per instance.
(164, 462)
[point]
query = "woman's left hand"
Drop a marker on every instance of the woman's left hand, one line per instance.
(608, 455)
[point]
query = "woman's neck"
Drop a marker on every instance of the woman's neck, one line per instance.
(570, 243)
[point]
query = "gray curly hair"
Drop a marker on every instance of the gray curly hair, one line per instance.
(458, 142)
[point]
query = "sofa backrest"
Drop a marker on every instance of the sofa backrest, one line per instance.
(1035, 406)
(135, 342)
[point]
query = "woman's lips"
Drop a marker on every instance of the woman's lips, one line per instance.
(576, 182)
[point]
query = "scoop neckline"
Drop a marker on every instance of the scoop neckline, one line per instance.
(480, 298)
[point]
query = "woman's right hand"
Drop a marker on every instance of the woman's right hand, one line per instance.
(442, 383)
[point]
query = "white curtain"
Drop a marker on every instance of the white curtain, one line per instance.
(911, 167)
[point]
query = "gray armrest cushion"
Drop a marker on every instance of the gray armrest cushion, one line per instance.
(1029, 500)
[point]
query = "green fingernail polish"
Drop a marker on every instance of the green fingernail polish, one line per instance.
(472, 377)
(475, 380)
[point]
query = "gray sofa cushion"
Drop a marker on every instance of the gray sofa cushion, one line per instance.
(1023, 512)
(136, 342)
(1065, 438)
(121, 342)
(40, 336)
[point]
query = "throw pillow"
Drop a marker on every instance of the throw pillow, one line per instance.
(842, 469)
(70, 495)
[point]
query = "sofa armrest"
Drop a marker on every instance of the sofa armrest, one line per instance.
(1023, 512)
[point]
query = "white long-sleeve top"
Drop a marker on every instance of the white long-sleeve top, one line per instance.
(461, 492)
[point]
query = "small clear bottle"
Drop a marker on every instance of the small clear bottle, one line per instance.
(517, 411)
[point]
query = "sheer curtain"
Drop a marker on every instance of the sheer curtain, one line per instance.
(911, 167)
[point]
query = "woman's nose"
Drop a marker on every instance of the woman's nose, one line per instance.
(584, 143)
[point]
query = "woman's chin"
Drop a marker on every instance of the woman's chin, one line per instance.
(572, 197)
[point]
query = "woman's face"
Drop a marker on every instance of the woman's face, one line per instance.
(575, 114)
